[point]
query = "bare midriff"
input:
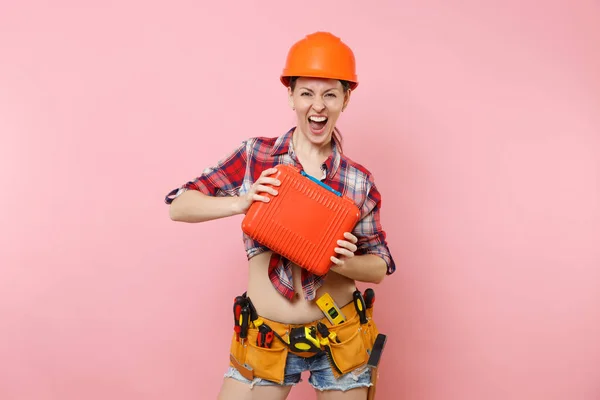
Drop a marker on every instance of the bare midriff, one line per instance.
(269, 303)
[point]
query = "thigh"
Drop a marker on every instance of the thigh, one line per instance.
(351, 386)
(352, 394)
(233, 389)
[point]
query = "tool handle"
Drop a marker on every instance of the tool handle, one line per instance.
(237, 309)
(323, 330)
(269, 339)
(369, 297)
(244, 322)
(326, 333)
(237, 313)
(265, 336)
(359, 303)
(377, 350)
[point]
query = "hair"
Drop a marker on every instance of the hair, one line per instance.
(337, 135)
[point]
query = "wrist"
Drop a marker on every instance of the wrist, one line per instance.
(338, 269)
(236, 206)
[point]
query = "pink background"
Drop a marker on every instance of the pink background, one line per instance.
(480, 121)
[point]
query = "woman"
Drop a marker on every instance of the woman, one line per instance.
(320, 77)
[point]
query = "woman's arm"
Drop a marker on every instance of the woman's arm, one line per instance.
(364, 256)
(194, 206)
(363, 268)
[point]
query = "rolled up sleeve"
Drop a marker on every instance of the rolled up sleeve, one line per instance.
(370, 233)
(220, 180)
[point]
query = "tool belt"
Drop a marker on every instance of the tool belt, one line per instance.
(259, 346)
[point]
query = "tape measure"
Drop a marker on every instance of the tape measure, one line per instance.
(304, 340)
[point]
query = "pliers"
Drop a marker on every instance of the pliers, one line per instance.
(265, 336)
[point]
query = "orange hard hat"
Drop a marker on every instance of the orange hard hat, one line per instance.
(321, 55)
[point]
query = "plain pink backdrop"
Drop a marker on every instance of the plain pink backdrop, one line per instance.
(480, 121)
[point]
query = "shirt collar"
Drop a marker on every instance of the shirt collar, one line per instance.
(283, 145)
(333, 161)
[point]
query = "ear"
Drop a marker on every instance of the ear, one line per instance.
(291, 98)
(346, 99)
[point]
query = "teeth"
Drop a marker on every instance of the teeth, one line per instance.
(318, 119)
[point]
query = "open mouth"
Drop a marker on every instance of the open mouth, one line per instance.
(317, 124)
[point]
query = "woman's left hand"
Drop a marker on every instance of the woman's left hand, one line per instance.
(345, 249)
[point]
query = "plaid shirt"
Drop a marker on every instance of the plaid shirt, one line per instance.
(235, 174)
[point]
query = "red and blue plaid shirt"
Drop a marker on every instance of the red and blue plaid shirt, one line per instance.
(235, 174)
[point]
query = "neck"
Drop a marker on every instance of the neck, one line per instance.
(307, 151)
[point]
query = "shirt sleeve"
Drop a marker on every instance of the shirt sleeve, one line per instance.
(220, 180)
(370, 233)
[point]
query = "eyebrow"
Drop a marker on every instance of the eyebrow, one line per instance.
(310, 90)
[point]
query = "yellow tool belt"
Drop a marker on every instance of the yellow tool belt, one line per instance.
(350, 351)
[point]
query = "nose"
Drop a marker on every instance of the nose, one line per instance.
(318, 105)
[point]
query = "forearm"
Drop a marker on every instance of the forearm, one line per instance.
(363, 268)
(194, 206)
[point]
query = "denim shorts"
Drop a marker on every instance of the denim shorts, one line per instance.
(321, 375)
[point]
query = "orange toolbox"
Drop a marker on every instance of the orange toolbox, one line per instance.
(303, 222)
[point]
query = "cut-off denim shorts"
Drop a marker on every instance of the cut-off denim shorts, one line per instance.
(321, 375)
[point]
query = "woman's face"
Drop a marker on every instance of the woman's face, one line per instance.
(318, 104)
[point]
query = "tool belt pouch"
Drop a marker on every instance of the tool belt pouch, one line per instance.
(370, 331)
(259, 362)
(356, 342)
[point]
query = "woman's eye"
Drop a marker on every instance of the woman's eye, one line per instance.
(331, 95)
(304, 94)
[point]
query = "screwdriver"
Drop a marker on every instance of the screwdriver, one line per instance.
(254, 318)
(238, 302)
(245, 314)
(359, 304)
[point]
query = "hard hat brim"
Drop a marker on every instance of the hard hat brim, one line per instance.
(285, 79)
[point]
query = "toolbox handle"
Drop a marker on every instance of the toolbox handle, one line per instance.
(321, 183)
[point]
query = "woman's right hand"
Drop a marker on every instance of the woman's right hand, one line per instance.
(260, 186)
